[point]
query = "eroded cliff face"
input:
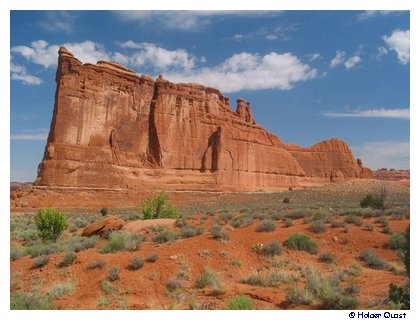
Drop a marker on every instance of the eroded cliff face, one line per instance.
(114, 128)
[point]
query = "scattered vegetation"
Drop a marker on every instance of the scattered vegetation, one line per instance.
(40, 261)
(327, 257)
(286, 200)
(34, 300)
(68, 259)
(104, 212)
(137, 263)
(267, 226)
(165, 235)
(372, 260)
(397, 241)
(218, 233)
(96, 264)
(50, 223)
(157, 207)
(121, 241)
(113, 273)
(209, 279)
(173, 285)
(269, 279)
(272, 248)
(191, 231)
(372, 202)
(317, 227)
(59, 290)
(400, 295)
(240, 302)
(300, 241)
(153, 257)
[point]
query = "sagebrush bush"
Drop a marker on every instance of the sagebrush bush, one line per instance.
(79, 243)
(40, 261)
(96, 264)
(272, 248)
(68, 259)
(165, 236)
(191, 231)
(240, 302)
(267, 226)
(137, 263)
(300, 241)
(153, 257)
(59, 290)
(269, 279)
(173, 285)
(327, 257)
(208, 279)
(157, 207)
(30, 301)
(288, 222)
(113, 273)
(397, 241)
(104, 212)
(372, 260)
(121, 241)
(50, 223)
(317, 227)
(218, 233)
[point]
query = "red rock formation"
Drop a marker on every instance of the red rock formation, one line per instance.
(103, 226)
(114, 128)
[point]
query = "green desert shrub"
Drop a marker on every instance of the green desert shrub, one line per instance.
(267, 226)
(40, 261)
(218, 233)
(191, 231)
(62, 289)
(79, 243)
(15, 253)
(104, 212)
(137, 263)
(157, 207)
(299, 296)
(68, 259)
(50, 223)
(208, 279)
(300, 241)
(153, 257)
(269, 279)
(319, 215)
(397, 241)
(353, 220)
(372, 201)
(272, 248)
(286, 200)
(113, 273)
(372, 260)
(165, 235)
(96, 264)
(121, 241)
(317, 227)
(41, 249)
(337, 224)
(240, 302)
(173, 285)
(298, 214)
(288, 222)
(327, 257)
(30, 301)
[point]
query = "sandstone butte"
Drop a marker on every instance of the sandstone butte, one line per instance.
(112, 128)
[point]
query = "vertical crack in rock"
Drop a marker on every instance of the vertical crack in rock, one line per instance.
(154, 151)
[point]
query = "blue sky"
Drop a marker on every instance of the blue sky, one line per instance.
(309, 75)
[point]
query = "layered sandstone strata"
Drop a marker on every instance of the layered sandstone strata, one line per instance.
(114, 128)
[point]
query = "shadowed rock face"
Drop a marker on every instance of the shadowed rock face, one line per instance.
(114, 128)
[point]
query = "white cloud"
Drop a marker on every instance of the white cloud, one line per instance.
(399, 41)
(30, 135)
(350, 63)
(246, 71)
(160, 58)
(373, 13)
(238, 37)
(239, 72)
(40, 52)
(373, 113)
(279, 32)
(384, 154)
(314, 56)
(58, 21)
(338, 59)
(194, 20)
(382, 51)
(18, 72)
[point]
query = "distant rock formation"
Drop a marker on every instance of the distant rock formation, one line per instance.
(114, 128)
